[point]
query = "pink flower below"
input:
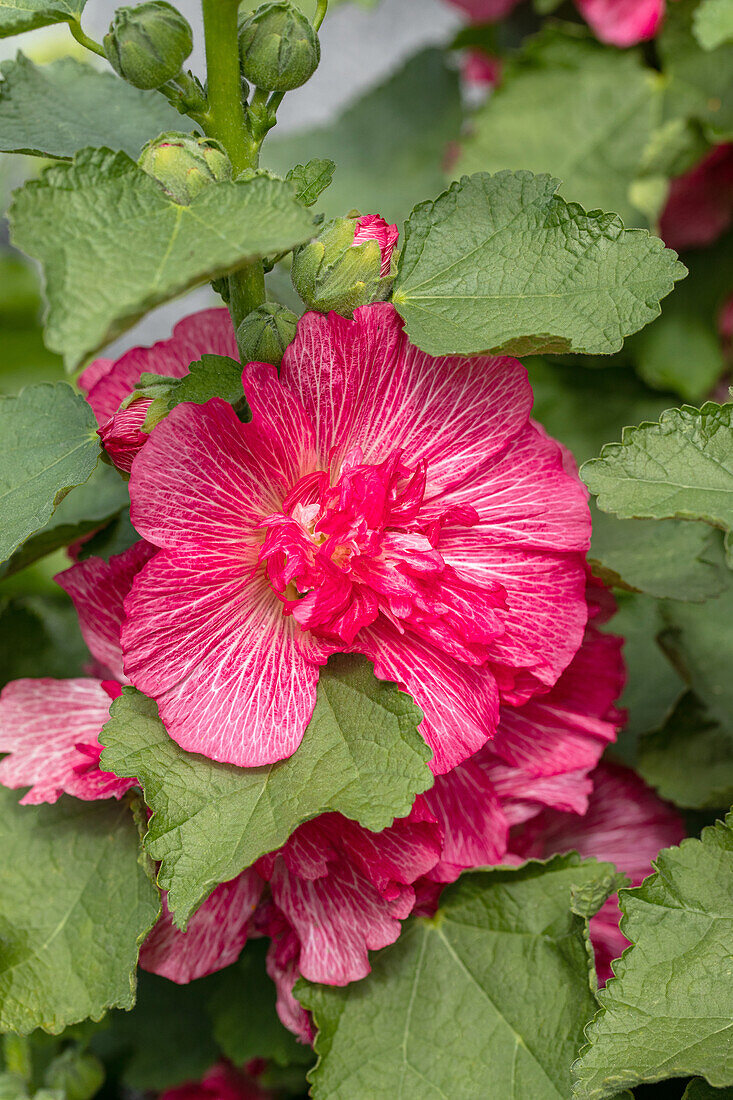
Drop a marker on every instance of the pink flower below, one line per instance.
(380, 501)
(221, 1082)
(371, 227)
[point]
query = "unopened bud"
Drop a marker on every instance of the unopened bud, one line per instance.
(278, 47)
(184, 164)
(264, 334)
(122, 435)
(351, 263)
(148, 44)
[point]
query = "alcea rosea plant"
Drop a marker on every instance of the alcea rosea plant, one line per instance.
(320, 752)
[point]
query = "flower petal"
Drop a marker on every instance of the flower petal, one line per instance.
(622, 22)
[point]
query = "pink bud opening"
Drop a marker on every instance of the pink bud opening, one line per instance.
(373, 228)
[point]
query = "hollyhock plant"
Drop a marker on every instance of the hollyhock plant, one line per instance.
(107, 383)
(371, 227)
(380, 501)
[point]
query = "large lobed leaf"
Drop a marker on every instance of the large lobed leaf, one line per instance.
(48, 444)
(502, 264)
(56, 109)
(680, 468)
(669, 1010)
(17, 16)
(75, 904)
(113, 245)
(361, 756)
(488, 998)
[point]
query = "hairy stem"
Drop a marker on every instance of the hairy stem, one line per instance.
(320, 15)
(225, 121)
(84, 39)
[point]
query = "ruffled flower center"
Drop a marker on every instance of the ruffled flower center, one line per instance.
(343, 551)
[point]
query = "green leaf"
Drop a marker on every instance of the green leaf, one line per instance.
(210, 376)
(76, 903)
(147, 249)
(689, 760)
(311, 180)
(712, 23)
(679, 468)
(668, 1012)
(699, 641)
(503, 264)
(586, 121)
(76, 1074)
(114, 538)
(361, 756)
(56, 109)
(242, 1007)
(389, 146)
(668, 559)
(701, 1090)
(165, 1040)
(48, 444)
(40, 636)
(488, 998)
(699, 81)
(83, 510)
(17, 16)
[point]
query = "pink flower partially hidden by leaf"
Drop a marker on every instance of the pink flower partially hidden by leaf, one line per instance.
(699, 208)
(373, 228)
(380, 501)
(481, 70)
(485, 11)
(107, 382)
(222, 1082)
(622, 22)
(50, 730)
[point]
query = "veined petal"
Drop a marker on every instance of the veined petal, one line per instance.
(475, 829)
(215, 935)
(213, 648)
(98, 589)
(45, 727)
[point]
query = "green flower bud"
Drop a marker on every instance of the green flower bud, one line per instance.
(148, 44)
(184, 164)
(278, 48)
(264, 334)
(351, 263)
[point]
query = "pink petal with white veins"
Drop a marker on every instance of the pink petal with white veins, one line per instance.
(50, 729)
(215, 935)
(98, 589)
(364, 385)
(108, 383)
(210, 644)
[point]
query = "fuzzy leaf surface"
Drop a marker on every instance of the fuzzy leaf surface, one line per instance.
(72, 954)
(679, 468)
(17, 16)
(361, 755)
(48, 444)
(147, 249)
(586, 121)
(56, 109)
(502, 264)
(459, 1006)
(210, 376)
(311, 180)
(669, 1011)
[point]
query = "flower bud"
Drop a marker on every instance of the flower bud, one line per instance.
(184, 164)
(264, 334)
(278, 47)
(148, 44)
(351, 263)
(122, 435)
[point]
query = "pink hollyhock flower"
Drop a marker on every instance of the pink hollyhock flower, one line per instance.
(373, 228)
(222, 1082)
(50, 729)
(108, 382)
(626, 824)
(700, 204)
(485, 11)
(380, 501)
(481, 70)
(622, 22)
(215, 935)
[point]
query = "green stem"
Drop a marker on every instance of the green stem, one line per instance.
(17, 1055)
(84, 39)
(225, 122)
(320, 14)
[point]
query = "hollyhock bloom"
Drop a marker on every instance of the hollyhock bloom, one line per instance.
(373, 228)
(700, 204)
(481, 70)
(626, 824)
(380, 501)
(108, 382)
(622, 22)
(221, 1082)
